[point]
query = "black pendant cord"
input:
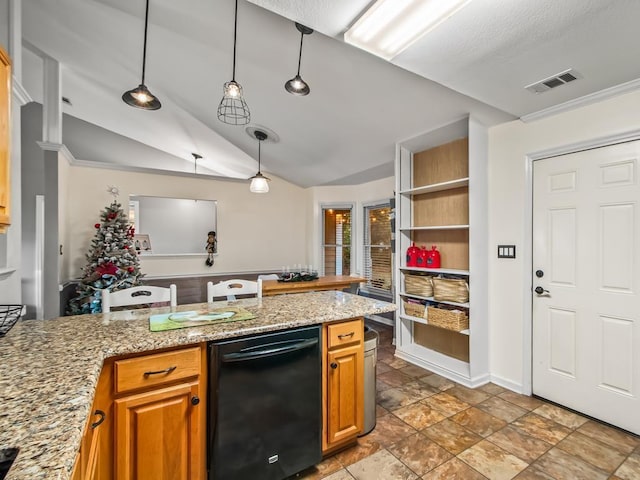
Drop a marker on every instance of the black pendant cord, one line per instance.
(235, 33)
(144, 48)
(300, 54)
(259, 153)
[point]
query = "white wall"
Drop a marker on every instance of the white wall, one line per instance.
(356, 194)
(509, 144)
(255, 232)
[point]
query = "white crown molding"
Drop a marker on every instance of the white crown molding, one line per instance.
(58, 147)
(20, 93)
(583, 101)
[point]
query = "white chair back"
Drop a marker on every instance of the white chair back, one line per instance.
(231, 288)
(138, 296)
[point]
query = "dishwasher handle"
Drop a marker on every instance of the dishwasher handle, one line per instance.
(269, 352)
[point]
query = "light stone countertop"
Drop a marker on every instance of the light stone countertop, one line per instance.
(49, 369)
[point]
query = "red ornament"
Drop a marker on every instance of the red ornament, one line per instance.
(97, 225)
(112, 215)
(126, 247)
(130, 269)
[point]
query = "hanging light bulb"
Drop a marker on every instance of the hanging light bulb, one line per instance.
(259, 183)
(297, 86)
(233, 109)
(141, 97)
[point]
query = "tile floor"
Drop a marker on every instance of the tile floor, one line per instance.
(431, 428)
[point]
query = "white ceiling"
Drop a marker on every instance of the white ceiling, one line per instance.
(344, 132)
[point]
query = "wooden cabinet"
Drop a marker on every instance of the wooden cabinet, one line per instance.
(343, 385)
(158, 434)
(442, 200)
(148, 419)
(5, 156)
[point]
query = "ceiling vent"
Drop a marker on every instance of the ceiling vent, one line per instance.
(554, 81)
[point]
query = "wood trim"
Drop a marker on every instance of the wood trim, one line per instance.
(5, 140)
(331, 282)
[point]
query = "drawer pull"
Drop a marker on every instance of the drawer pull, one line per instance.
(100, 420)
(334, 365)
(346, 335)
(158, 372)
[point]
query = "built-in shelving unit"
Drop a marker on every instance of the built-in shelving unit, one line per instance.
(435, 175)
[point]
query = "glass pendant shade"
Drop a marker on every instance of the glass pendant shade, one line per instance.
(297, 86)
(233, 109)
(141, 97)
(259, 183)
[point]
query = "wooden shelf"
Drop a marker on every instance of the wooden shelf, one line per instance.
(431, 299)
(425, 322)
(437, 187)
(448, 271)
(437, 227)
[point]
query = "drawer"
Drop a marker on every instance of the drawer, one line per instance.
(345, 333)
(156, 369)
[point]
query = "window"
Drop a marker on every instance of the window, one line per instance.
(336, 240)
(377, 248)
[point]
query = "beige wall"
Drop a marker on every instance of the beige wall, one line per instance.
(255, 232)
(509, 144)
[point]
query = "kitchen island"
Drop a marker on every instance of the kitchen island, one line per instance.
(51, 368)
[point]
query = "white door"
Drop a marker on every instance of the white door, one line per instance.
(586, 254)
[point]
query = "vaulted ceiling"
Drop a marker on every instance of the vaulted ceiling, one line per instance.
(477, 62)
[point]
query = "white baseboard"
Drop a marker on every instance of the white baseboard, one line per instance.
(509, 384)
(444, 372)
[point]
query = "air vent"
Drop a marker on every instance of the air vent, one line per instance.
(554, 81)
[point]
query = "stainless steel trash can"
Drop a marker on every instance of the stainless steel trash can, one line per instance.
(370, 358)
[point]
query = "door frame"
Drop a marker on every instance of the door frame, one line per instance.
(527, 261)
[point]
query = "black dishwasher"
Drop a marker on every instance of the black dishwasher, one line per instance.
(265, 410)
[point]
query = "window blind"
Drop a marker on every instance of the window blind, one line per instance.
(377, 248)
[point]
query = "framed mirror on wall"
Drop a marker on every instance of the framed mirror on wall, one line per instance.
(174, 226)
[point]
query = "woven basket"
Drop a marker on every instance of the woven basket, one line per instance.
(413, 309)
(450, 290)
(418, 285)
(450, 319)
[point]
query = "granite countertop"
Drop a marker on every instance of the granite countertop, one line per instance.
(50, 368)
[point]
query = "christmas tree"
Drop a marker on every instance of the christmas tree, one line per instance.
(112, 261)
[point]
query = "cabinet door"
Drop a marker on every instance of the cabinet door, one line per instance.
(92, 453)
(158, 434)
(5, 158)
(345, 390)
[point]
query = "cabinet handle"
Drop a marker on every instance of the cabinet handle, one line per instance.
(158, 372)
(100, 420)
(346, 335)
(334, 365)
(195, 400)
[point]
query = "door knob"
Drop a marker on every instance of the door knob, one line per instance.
(539, 290)
(539, 273)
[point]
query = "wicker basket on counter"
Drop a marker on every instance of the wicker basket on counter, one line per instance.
(456, 320)
(413, 309)
(418, 285)
(450, 290)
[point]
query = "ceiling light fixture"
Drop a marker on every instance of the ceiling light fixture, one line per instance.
(233, 109)
(141, 97)
(391, 26)
(259, 183)
(196, 157)
(297, 86)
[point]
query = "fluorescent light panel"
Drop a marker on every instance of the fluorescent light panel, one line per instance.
(391, 26)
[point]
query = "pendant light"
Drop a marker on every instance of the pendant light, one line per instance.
(141, 97)
(196, 157)
(233, 109)
(297, 86)
(259, 183)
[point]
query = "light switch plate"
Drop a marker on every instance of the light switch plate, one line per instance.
(506, 251)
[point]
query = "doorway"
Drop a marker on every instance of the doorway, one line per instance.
(585, 282)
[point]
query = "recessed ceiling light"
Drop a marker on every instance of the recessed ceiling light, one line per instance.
(391, 26)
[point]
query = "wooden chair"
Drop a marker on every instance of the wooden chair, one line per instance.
(138, 296)
(231, 288)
